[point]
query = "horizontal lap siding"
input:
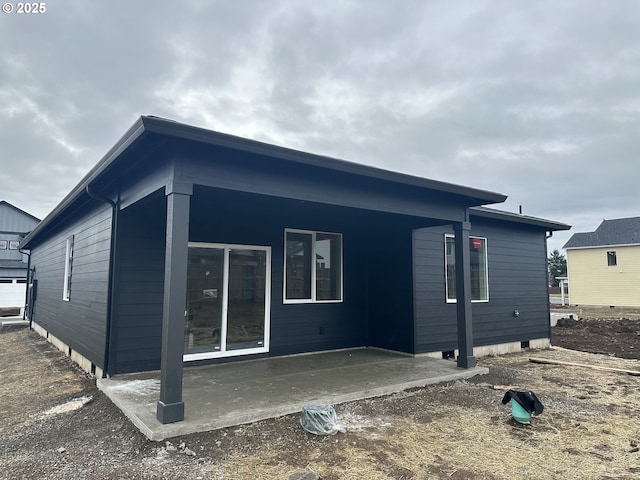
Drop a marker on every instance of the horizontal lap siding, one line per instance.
(593, 282)
(390, 288)
(80, 322)
(259, 220)
(240, 219)
(517, 281)
(140, 287)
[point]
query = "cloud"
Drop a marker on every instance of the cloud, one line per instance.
(537, 100)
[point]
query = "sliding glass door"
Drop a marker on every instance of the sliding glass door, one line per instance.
(227, 300)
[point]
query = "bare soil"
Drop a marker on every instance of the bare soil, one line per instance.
(55, 424)
(605, 330)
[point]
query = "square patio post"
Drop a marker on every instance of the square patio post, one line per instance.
(170, 406)
(463, 295)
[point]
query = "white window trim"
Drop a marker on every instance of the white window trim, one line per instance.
(486, 273)
(68, 269)
(313, 299)
(223, 352)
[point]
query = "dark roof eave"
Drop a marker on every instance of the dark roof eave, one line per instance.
(518, 218)
(188, 132)
(151, 124)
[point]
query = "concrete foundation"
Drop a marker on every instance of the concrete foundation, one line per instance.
(81, 360)
(497, 349)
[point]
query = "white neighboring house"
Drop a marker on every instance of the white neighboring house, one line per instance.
(14, 225)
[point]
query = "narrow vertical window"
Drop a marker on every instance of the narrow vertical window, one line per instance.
(612, 259)
(298, 265)
(68, 266)
(479, 269)
(328, 266)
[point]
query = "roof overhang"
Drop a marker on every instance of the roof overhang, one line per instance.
(495, 214)
(147, 126)
(618, 245)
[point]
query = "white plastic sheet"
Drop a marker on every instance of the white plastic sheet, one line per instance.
(320, 419)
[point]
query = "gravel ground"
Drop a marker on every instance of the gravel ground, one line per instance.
(55, 424)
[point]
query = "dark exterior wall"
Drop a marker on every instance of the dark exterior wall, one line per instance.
(390, 286)
(517, 281)
(80, 322)
(227, 217)
(233, 218)
(139, 278)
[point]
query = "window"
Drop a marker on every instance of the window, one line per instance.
(479, 270)
(13, 244)
(3, 244)
(68, 264)
(612, 259)
(313, 267)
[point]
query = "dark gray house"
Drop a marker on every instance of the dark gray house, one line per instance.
(14, 226)
(186, 246)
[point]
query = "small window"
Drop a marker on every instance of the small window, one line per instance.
(612, 259)
(479, 269)
(14, 244)
(68, 266)
(313, 267)
(3, 244)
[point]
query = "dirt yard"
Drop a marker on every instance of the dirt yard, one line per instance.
(55, 424)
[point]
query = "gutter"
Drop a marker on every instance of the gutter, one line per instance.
(26, 293)
(112, 260)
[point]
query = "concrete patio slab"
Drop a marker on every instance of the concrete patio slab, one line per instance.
(218, 396)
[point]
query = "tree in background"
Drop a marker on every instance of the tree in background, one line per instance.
(557, 267)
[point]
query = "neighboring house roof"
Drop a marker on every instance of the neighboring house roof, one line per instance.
(4, 202)
(19, 264)
(620, 231)
(496, 214)
(149, 131)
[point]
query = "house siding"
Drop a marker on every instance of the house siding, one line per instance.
(81, 321)
(15, 221)
(517, 281)
(136, 328)
(295, 328)
(593, 282)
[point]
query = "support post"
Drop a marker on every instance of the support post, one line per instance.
(463, 295)
(170, 407)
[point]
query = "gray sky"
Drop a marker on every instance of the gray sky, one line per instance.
(539, 100)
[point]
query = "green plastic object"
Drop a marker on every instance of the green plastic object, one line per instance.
(519, 414)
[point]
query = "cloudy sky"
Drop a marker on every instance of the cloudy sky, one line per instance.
(539, 100)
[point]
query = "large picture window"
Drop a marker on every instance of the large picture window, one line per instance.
(479, 270)
(313, 267)
(68, 264)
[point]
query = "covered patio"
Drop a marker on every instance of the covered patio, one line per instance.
(224, 395)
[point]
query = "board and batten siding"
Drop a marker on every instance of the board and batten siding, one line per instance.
(517, 281)
(593, 282)
(80, 322)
